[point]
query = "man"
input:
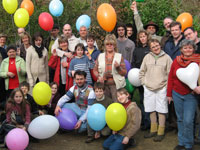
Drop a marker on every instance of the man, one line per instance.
(191, 34)
(151, 27)
(3, 39)
(124, 45)
(172, 44)
(131, 32)
(84, 97)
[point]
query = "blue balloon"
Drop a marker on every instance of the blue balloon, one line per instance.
(56, 8)
(96, 117)
(128, 66)
(83, 20)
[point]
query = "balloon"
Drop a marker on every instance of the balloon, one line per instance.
(21, 17)
(17, 139)
(45, 21)
(56, 8)
(116, 116)
(28, 5)
(128, 66)
(106, 17)
(10, 5)
(96, 117)
(67, 119)
(185, 19)
(83, 20)
(42, 93)
(189, 75)
(129, 87)
(133, 77)
(43, 127)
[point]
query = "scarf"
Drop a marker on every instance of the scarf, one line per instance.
(185, 61)
(39, 50)
(126, 104)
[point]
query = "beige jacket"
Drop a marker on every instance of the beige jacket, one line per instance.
(154, 72)
(37, 67)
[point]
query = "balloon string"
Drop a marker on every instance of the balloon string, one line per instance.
(58, 21)
(13, 27)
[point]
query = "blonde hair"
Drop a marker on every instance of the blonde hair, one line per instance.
(111, 38)
(26, 34)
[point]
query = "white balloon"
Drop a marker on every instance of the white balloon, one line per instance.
(189, 75)
(43, 127)
(133, 77)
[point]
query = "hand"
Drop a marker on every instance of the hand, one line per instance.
(54, 52)
(125, 140)
(197, 90)
(134, 6)
(100, 79)
(69, 55)
(169, 99)
(114, 132)
(73, 72)
(57, 110)
(41, 112)
(116, 64)
(78, 124)
(88, 55)
(65, 64)
(97, 135)
(10, 75)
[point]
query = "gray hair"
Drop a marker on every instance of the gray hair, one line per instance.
(187, 42)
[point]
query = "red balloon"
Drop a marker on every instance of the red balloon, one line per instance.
(45, 21)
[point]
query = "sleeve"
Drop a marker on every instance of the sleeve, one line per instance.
(28, 114)
(46, 65)
(22, 67)
(122, 68)
(133, 63)
(143, 70)
(71, 67)
(28, 68)
(170, 81)
(8, 112)
(4, 71)
(91, 63)
(134, 30)
(138, 22)
(169, 63)
(59, 52)
(53, 62)
(95, 69)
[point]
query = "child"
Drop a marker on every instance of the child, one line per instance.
(99, 89)
(120, 139)
(82, 61)
(61, 65)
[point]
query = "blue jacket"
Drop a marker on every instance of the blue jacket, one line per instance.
(95, 53)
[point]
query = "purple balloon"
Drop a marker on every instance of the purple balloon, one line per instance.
(67, 119)
(128, 66)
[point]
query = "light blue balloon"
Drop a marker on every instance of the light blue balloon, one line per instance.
(96, 117)
(56, 8)
(83, 20)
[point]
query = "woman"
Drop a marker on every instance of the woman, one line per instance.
(184, 100)
(13, 69)
(153, 76)
(37, 62)
(110, 68)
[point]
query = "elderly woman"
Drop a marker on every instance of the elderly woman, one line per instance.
(153, 75)
(13, 69)
(185, 101)
(110, 68)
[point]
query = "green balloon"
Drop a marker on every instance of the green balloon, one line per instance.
(129, 87)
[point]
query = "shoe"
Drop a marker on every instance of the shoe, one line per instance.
(144, 128)
(132, 143)
(197, 141)
(89, 139)
(158, 138)
(189, 148)
(150, 134)
(179, 147)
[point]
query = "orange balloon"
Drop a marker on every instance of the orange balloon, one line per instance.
(106, 17)
(185, 19)
(28, 5)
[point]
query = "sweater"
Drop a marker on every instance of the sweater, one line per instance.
(95, 53)
(105, 102)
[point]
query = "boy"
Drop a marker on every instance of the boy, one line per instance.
(105, 101)
(120, 139)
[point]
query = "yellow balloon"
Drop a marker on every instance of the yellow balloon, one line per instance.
(10, 5)
(42, 93)
(21, 17)
(116, 116)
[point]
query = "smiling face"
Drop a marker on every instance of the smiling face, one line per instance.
(25, 40)
(187, 50)
(24, 90)
(166, 23)
(121, 32)
(190, 35)
(155, 48)
(80, 80)
(143, 38)
(79, 51)
(83, 32)
(54, 89)
(175, 31)
(11, 53)
(99, 93)
(67, 31)
(151, 29)
(18, 98)
(63, 45)
(122, 97)
(38, 41)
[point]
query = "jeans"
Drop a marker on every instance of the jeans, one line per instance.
(185, 107)
(79, 112)
(114, 142)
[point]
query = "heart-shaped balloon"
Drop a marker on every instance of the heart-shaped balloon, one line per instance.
(189, 75)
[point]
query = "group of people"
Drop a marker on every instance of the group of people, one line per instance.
(81, 75)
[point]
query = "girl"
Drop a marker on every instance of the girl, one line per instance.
(82, 61)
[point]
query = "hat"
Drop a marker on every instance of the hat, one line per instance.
(151, 23)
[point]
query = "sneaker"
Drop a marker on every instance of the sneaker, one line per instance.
(179, 147)
(89, 139)
(150, 134)
(158, 138)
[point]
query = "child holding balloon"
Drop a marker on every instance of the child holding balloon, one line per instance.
(122, 138)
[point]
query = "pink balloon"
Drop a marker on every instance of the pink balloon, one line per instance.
(45, 21)
(17, 139)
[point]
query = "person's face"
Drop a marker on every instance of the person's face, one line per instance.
(24, 90)
(167, 23)
(20, 31)
(176, 32)
(54, 32)
(122, 97)
(67, 31)
(155, 48)
(11, 53)
(18, 98)
(99, 93)
(83, 32)
(110, 47)
(80, 80)
(38, 41)
(190, 35)
(2, 41)
(63, 46)
(187, 50)
(54, 89)
(151, 30)
(79, 51)
(25, 40)
(121, 32)
(90, 43)
(143, 38)
(129, 31)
